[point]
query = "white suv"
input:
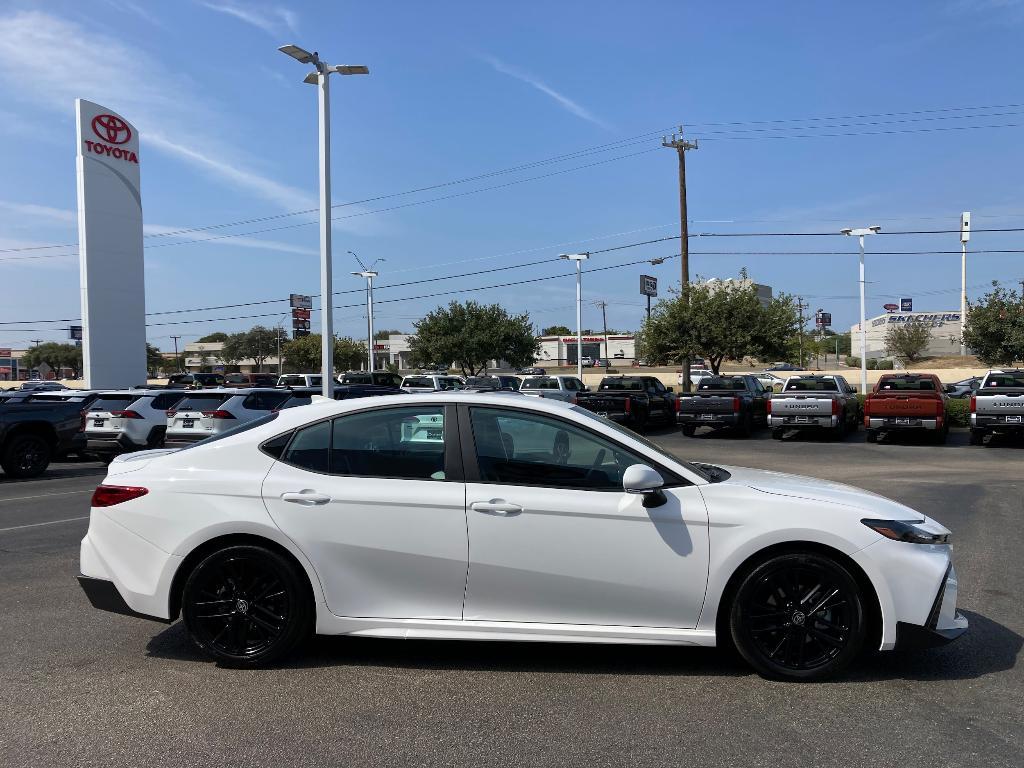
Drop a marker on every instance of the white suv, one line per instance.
(300, 380)
(553, 387)
(124, 421)
(431, 383)
(209, 412)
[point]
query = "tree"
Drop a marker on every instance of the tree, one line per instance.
(382, 335)
(56, 356)
(303, 354)
(348, 353)
(994, 330)
(720, 321)
(556, 330)
(907, 342)
(215, 337)
(154, 360)
(471, 335)
(256, 344)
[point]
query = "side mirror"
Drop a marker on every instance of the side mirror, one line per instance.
(644, 481)
(670, 389)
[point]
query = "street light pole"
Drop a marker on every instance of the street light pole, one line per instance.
(369, 273)
(965, 235)
(320, 78)
(860, 233)
(579, 258)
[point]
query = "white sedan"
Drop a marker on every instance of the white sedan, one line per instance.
(483, 517)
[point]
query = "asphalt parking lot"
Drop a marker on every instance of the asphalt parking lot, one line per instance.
(80, 687)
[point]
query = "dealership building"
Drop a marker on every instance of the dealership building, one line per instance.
(944, 329)
(554, 350)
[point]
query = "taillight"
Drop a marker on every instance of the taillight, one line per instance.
(940, 409)
(126, 414)
(768, 405)
(736, 405)
(218, 414)
(171, 413)
(109, 495)
(675, 405)
(835, 408)
(867, 407)
(974, 403)
(629, 403)
(81, 420)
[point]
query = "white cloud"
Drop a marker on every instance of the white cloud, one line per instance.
(163, 103)
(270, 18)
(40, 211)
(562, 100)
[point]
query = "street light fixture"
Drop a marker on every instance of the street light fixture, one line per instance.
(579, 258)
(859, 234)
(320, 78)
(369, 273)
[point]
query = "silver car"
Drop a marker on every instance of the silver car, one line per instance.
(562, 388)
(209, 412)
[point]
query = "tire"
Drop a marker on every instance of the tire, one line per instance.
(977, 437)
(746, 427)
(798, 617)
(26, 456)
(777, 433)
(246, 606)
(941, 435)
(872, 436)
(689, 430)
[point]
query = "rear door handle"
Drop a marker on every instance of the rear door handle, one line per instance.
(307, 498)
(496, 507)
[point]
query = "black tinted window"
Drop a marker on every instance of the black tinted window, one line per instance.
(390, 442)
(275, 445)
(812, 385)
(201, 402)
(112, 402)
(419, 381)
(309, 449)
(264, 401)
(167, 401)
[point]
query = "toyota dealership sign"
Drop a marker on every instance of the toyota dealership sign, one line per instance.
(112, 132)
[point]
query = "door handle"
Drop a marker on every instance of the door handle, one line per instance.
(307, 498)
(496, 507)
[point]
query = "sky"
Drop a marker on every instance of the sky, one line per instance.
(495, 135)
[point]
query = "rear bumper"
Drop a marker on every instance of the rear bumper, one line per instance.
(996, 423)
(110, 443)
(103, 595)
(812, 422)
(892, 422)
(698, 419)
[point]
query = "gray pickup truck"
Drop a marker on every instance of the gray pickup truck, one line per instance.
(739, 402)
(810, 402)
(997, 406)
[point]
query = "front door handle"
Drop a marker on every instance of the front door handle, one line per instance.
(307, 498)
(496, 507)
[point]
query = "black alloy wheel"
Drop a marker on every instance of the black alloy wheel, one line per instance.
(26, 456)
(689, 430)
(798, 617)
(246, 606)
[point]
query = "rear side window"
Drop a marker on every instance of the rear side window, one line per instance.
(310, 448)
(405, 443)
(540, 384)
(199, 402)
(167, 401)
(112, 402)
(264, 401)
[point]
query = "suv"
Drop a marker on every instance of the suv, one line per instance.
(300, 380)
(507, 383)
(429, 383)
(203, 414)
(380, 378)
(120, 422)
(553, 387)
(195, 380)
(250, 380)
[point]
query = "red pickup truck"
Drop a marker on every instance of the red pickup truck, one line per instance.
(906, 402)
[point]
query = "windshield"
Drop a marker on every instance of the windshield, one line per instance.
(732, 382)
(641, 439)
(1005, 380)
(905, 384)
(540, 384)
(629, 385)
(812, 385)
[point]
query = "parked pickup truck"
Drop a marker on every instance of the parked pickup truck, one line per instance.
(739, 402)
(906, 402)
(997, 406)
(632, 400)
(814, 402)
(563, 388)
(36, 429)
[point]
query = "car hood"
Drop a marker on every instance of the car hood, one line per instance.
(815, 489)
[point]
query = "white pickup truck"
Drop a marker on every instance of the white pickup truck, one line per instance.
(997, 406)
(562, 388)
(814, 402)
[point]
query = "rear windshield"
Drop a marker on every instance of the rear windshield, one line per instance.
(418, 381)
(727, 382)
(199, 402)
(906, 385)
(540, 384)
(295, 380)
(812, 385)
(112, 402)
(630, 385)
(450, 382)
(482, 382)
(1005, 380)
(357, 378)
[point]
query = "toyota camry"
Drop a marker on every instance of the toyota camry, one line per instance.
(472, 515)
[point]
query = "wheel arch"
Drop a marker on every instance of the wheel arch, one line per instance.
(193, 558)
(42, 429)
(873, 605)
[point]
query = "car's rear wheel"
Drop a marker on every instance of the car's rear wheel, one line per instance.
(246, 606)
(871, 435)
(798, 616)
(25, 456)
(746, 426)
(977, 437)
(777, 433)
(689, 430)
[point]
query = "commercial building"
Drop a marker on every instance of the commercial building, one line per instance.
(9, 364)
(561, 350)
(205, 357)
(944, 330)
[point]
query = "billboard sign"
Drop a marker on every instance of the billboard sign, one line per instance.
(299, 301)
(823, 319)
(75, 333)
(113, 330)
(648, 285)
(298, 333)
(890, 307)
(300, 314)
(906, 305)
(5, 351)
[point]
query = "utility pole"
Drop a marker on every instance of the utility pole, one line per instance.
(604, 320)
(965, 235)
(800, 308)
(177, 360)
(36, 341)
(680, 145)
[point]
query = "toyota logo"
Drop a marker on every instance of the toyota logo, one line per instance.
(111, 128)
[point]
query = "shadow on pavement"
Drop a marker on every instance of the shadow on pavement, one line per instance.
(988, 647)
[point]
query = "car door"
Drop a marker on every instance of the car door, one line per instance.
(376, 501)
(553, 538)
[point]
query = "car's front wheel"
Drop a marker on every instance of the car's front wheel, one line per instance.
(798, 616)
(246, 606)
(26, 456)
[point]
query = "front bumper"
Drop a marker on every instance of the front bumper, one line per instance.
(944, 625)
(894, 422)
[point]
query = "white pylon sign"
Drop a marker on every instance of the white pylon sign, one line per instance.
(110, 249)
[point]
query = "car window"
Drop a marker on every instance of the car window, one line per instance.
(532, 449)
(289, 380)
(406, 443)
(357, 378)
(167, 400)
(112, 402)
(418, 381)
(811, 385)
(540, 384)
(1014, 380)
(264, 401)
(901, 384)
(291, 402)
(451, 382)
(198, 402)
(310, 448)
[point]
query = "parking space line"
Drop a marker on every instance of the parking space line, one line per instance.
(44, 495)
(36, 525)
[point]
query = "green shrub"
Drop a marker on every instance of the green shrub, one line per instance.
(872, 364)
(853, 362)
(958, 412)
(884, 365)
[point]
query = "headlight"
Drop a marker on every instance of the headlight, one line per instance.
(906, 530)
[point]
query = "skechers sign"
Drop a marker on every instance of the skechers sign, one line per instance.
(111, 129)
(933, 320)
